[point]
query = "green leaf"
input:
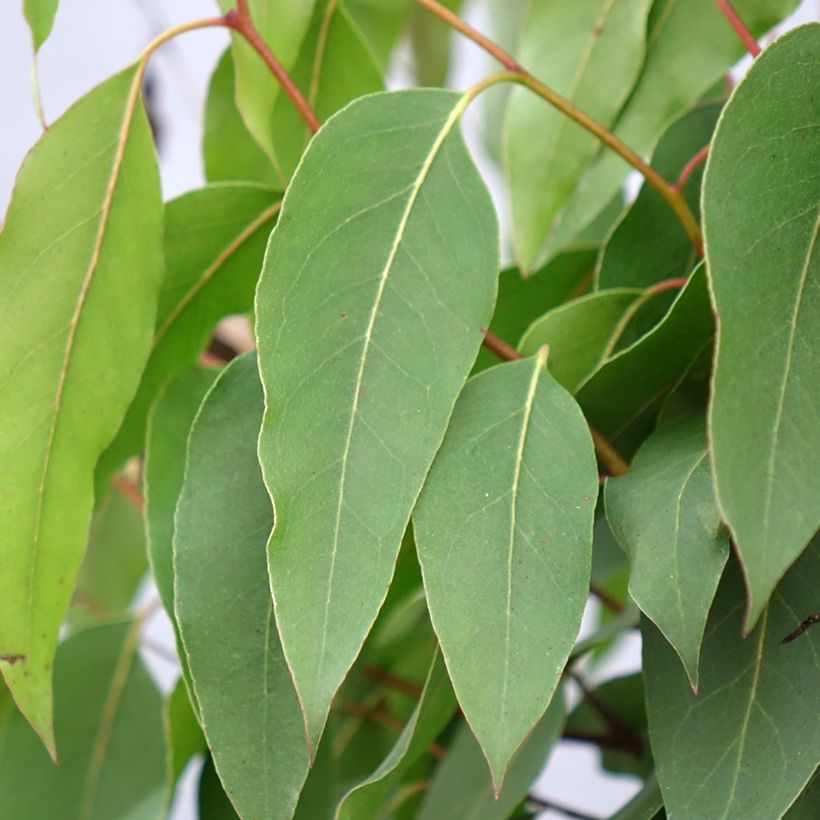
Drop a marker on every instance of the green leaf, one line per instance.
(663, 514)
(108, 725)
(690, 47)
(249, 710)
(212, 802)
(749, 742)
(382, 23)
(78, 288)
(433, 711)
(214, 243)
(761, 222)
(228, 149)
(461, 787)
(521, 300)
(581, 334)
(40, 18)
(504, 532)
(183, 735)
(407, 239)
(805, 807)
(627, 388)
(591, 52)
(430, 42)
(647, 804)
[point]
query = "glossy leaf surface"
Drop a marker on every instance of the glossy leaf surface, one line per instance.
(249, 710)
(78, 290)
(357, 411)
(504, 536)
(762, 222)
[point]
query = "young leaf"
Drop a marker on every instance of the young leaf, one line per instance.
(581, 334)
(761, 223)
(78, 288)
(664, 516)
(183, 735)
(461, 787)
(214, 243)
(398, 234)
(504, 536)
(40, 18)
(249, 710)
(748, 743)
(108, 724)
(591, 52)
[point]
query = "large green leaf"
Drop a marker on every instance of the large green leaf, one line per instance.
(591, 52)
(581, 334)
(214, 243)
(108, 725)
(663, 514)
(647, 804)
(761, 222)
(40, 18)
(183, 735)
(433, 711)
(397, 269)
(690, 47)
(212, 802)
(80, 267)
(749, 742)
(249, 710)
(461, 787)
(504, 536)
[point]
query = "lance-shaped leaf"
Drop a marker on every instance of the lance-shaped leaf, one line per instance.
(183, 735)
(80, 266)
(591, 52)
(762, 222)
(249, 710)
(461, 787)
(40, 18)
(398, 269)
(664, 515)
(504, 536)
(749, 742)
(214, 243)
(432, 712)
(108, 722)
(581, 334)
(212, 802)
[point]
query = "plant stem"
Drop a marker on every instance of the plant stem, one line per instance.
(549, 805)
(518, 74)
(741, 29)
(690, 166)
(129, 491)
(606, 599)
(391, 681)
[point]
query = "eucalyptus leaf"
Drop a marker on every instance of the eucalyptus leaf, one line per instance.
(381, 23)
(78, 287)
(647, 804)
(40, 18)
(761, 223)
(504, 536)
(749, 742)
(212, 802)
(250, 714)
(356, 412)
(183, 734)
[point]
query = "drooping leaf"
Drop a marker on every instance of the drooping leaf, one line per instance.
(433, 711)
(461, 786)
(183, 735)
(108, 725)
(749, 742)
(761, 222)
(40, 18)
(214, 243)
(581, 334)
(357, 411)
(249, 710)
(78, 289)
(591, 52)
(663, 514)
(504, 536)
(228, 149)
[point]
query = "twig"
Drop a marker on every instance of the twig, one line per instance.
(129, 491)
(606, 599)
(391, 681)
(690, 166)
(810, 621)
(386, 719)
(741, 29)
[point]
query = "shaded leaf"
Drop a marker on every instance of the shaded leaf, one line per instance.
(78, 289)
(382, 23)
(504, 537)
(212, 802)
(249, 710)
(805, 807)
(357, 411)
(761, 222)
(663, 514)
(647, 804)
(40, 18)
(183, 734)
(748, 744)
(591, 52)
(430, 42)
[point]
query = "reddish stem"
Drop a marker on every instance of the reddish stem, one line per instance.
(605, 598)
(741, 29)
(690, 167)
(667, 284)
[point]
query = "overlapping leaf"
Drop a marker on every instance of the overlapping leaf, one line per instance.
(183, 735)
(504, 536)
(80, 267)
(390, 250)
(761, 222)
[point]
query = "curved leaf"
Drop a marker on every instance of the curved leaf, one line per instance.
(183, 735)
(78, 294)
(761, 223)
(356, 411)
(40, 18)
(504, 537)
